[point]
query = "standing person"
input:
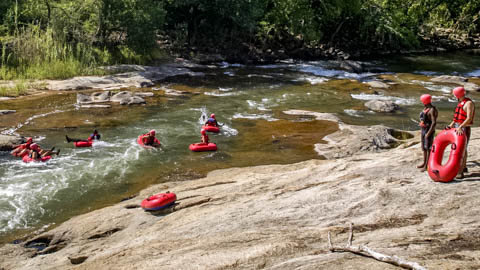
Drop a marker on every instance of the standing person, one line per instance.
(204, 136)
(211, 121)
(94, 136)
(428, 121)
(462, 121)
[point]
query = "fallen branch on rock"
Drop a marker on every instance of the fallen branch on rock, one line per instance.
(366, 251)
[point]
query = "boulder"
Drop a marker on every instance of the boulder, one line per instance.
(122, 97)
(83, 99)
(7, 142)
(144, 94)
(471, 87)
(134, 100)
(103, 96)
(351, 140)
(382, 105)
(378, 84)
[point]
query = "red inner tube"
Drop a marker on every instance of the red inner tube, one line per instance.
(446, 173)
(83, 144)
(140, 141)
(28, 159)
(211, 129)
(159, 201)
(200, 147)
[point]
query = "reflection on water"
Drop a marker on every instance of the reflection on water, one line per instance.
(248, 103)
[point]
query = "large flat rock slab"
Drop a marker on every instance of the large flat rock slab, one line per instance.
(141, 76)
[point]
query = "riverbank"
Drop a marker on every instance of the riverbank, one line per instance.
(278, 217)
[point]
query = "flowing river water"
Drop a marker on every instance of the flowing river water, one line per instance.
(248, 100)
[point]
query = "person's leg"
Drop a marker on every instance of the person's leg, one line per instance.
(460, 175)
(45, 153)
(426, 151)
(16, 150)
(422, 140)
(74, 139)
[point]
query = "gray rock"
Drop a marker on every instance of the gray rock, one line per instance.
(471, 87)
(135, 100)
(144, 94)
(450, 79)
(7, 111)
(7, 142)
(121, 96)
(378, 84)
(83, 99)
(381, 105)
(103, 96)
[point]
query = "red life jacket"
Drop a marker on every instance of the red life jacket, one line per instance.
(460, 114)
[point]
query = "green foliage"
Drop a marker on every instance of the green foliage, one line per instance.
(212, 23)
(20, 88)
(63, 38)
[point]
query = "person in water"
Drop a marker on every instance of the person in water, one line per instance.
(94, 136)
(211, 121)
(204, 136)
(22, 149)
(428, 121)
(150, 140)
(462, 121)
(36, 152)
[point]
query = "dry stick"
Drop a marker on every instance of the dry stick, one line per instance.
(366, 251)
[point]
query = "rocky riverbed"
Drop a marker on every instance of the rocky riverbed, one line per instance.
(278, 216)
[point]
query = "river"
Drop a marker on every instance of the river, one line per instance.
(247, 100)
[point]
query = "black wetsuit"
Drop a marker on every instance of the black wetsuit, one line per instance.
(425, 123)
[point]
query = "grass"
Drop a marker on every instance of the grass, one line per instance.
(20, 88)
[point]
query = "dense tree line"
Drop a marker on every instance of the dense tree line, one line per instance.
(105, 31)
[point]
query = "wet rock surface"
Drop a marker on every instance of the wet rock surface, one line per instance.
(2, 112)
(278, 216)
(7, 142)
(123, 98)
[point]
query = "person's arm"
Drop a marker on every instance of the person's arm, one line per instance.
(469, 109)
(433, 116)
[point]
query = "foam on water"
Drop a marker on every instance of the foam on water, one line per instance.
(352, 112)
(254, 116)
(319, 69)
(311, 79)
(475, 73)
(223, 94)
(397, 100)
(25, 188)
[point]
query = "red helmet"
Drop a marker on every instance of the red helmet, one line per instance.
(459, 92)
(212, 115)
(34, 146)
(426, 99)
(203, 132)
(152, 132)
(29, 140)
